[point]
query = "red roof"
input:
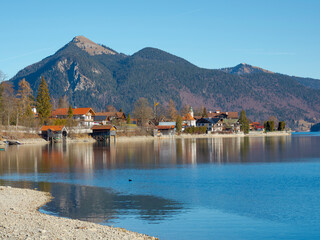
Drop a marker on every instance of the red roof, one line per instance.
(165, 127)
(188, 117)
(102, 127)
(76, 111)
(52, 128)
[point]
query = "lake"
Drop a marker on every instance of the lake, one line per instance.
(219, 188)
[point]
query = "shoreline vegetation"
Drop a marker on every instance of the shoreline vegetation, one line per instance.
(21, 219)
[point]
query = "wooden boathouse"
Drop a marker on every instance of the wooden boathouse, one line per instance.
(103, 133)
(54, 133)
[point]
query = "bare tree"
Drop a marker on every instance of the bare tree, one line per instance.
(185, 109)
(142, 111)
(172, 111)
(111, 108)
(3, 76)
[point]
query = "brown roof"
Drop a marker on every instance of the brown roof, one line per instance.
(76, 111)
(234, 115)
(102, 127)
(52, 128)
(165, 127)
(111, 114)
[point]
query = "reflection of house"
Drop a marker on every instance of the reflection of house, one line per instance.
(83, 115)
(165, 130)
(212, 124)
(103, 132)
(55, 133)
(103, 117)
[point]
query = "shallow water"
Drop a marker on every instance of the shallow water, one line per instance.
(231, 188)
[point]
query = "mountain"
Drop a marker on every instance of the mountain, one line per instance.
(95, 75)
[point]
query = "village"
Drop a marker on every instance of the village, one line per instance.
(104, 125)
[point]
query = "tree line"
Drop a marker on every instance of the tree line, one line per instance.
(16, 106)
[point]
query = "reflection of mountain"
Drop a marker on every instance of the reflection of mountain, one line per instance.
(102, 205)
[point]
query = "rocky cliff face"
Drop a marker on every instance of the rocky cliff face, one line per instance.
(96, 76)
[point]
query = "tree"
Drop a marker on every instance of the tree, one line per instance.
(128, 119)
(244, 123)
(63, 102)
(111, 108)
(205, 114)
(25, 100)
(142, 111)
(2, 76)
(274, 119)
(281, 126)
(43, 101)
(179, 123)
(269, 126)
(185, 109)
(8, 101)
(70, 112)
(172, 111)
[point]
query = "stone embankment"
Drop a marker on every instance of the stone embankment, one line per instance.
(20, 219)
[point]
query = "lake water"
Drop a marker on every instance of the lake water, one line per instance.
(220, 188)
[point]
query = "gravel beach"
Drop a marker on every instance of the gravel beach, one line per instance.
(20, 219)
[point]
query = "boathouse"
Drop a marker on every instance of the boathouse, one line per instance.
(103, 132)
(164, 130)
(54, 133)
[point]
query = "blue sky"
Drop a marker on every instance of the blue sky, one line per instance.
(281, 36)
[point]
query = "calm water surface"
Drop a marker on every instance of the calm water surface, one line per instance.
(231, 188)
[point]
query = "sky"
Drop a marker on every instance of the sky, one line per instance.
(281, 36)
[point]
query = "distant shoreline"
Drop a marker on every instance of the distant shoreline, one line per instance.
(36, 141)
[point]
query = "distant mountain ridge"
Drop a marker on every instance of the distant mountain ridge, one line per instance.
(94, 75)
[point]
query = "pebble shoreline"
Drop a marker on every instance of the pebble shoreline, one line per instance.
(20, 219)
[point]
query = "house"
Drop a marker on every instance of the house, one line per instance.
(54, 133)
(256, 126)
(104, 117)
(103, 132)
(231, 125)
(165, 130)
(83, 115)
(212, 124)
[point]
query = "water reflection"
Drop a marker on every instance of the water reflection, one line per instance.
(153, 154)
(99, 205)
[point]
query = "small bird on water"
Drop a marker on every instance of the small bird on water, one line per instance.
(130, 180)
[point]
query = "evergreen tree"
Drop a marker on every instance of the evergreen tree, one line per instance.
(281, 126)
(205, 114)
(244, 123)
(128, 119)
(179, 123)
(43, 101)
(70, 112)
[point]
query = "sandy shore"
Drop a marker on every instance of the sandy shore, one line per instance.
(20, 219)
